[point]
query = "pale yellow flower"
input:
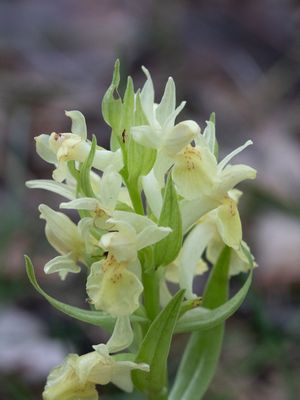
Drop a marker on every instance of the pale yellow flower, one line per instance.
(131, 233)
(59, 148)
(113, 287)
(77, 376)
(72, 241)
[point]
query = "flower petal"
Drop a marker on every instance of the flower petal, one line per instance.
(63, 383)
(170, 121)
(123, 243)
(238, 260)
(72, 147)
(162, 164)
(63, 265)
(234, 174)
(192, 250)
(168, 102)
(175, 139)
(64, 190)
(109, 188)
(194, 172)
(122, 374)
(147, 136)
(152, 192)
(209, 135)
(193, 210)
(229, 224)
(61, 232)
(147, 97)
(84, 228)
(43, 149)
(152, 234)
(78, 123)
(226, 159)
(83, 203)
(135, 221)
(114, 289)
(122, 335)
(106, 158)
(61, 172)
(95, 367)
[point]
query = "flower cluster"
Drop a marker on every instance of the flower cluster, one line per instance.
(154, 203)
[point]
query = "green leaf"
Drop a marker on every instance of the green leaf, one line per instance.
(212, 117)
(146, 259)
(128, 108)
(111, 106)
(167, 249)
(127, 118)
(123, 207)
(91, 317)
(73, 170)
(155, 350)
(201, 355)
(140, 160)
(211, 318)
(85, 171)
(139, 116)
(114, 143)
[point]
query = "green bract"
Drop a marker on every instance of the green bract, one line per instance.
(149, 209)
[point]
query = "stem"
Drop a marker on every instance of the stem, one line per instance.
(151, 293)
(135, 197)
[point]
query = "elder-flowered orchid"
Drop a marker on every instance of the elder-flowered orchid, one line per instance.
(115, 287)
(239, 261)
(67, 239)
(220, 226)
(114, 284)
(131, 233)
(59, 148)
(76, 378)
(173, 273)
(102, 206)
(162, 134)
(159, 176)
(196, 172)
(204, 183)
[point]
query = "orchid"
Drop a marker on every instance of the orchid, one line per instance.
(77, 377)
(152, 212)
(59, 148)
(160, 133)
(220, 226)
(101, 207)
(132, 233)
(196, 171)
(65, 237)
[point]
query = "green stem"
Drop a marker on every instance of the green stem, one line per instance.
(135, 197)
(151, 293)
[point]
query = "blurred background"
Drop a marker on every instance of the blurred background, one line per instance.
(240, 59)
